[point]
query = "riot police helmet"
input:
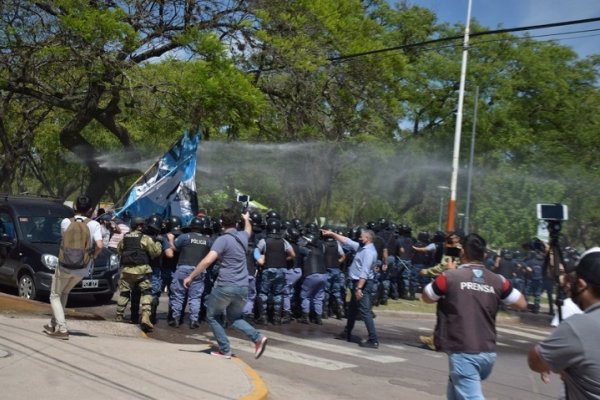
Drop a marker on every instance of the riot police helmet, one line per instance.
(286, 223)
(355, 232)
(298, 223)
(311, 227)
(256, 218)
(438, 237)
(423, 237)
(215, 224)
(372, 225)
(272, 214)
(173, 223)
(273, 226)
(199, 224)
(383, 223)
(154, 223)
(137, 222)
(292, 234)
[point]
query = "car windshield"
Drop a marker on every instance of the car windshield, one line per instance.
(41, 229)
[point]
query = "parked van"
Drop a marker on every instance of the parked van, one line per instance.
(29, 241)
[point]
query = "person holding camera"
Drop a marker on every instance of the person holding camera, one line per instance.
(230, 291)
(572, 349)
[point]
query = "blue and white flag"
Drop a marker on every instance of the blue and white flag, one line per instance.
(168, 188)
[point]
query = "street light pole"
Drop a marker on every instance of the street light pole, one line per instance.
(458, 128)
(467, 214)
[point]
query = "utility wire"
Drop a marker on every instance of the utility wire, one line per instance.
(457, 37)
(481, 42)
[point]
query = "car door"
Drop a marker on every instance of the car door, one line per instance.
(8, 242)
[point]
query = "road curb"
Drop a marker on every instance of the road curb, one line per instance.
(259, 391)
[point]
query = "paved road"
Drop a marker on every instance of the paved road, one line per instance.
(305, 361)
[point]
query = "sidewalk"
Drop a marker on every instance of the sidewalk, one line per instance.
(107, 360)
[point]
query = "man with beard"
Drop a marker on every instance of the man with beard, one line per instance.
(361, 276)
(572, 349)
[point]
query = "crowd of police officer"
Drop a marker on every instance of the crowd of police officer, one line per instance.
(295, 272)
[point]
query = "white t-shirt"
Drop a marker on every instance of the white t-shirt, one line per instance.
(95, 233)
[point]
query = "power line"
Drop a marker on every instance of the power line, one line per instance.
(457, 37)
(481, 42)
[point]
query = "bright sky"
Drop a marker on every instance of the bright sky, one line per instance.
(500, 14)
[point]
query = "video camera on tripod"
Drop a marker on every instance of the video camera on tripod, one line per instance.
(554, 214)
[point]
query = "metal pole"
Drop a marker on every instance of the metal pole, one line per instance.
(439, 228)
(457, 132)
(471, 156)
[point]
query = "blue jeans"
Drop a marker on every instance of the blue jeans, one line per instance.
(364, 308)
(466, 371)
(228, 301)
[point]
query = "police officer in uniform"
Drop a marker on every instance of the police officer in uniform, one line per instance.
(315, 278)
(256, 235)
(168, 265)
(274, 252)
(192, 247)
(136, 250)
(292, 275)
(334, 257)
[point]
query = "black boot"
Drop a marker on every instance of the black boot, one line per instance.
(135, 316)
(318, 319)
(262, 319)
(286, 318)
(304, 318)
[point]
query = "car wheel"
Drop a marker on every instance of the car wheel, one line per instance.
(104, 297)
(27, 287)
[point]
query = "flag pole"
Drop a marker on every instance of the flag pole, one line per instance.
(137, 181)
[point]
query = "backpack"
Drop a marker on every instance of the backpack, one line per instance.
(76, 244)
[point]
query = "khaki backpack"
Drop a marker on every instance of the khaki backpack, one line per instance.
(76, 245)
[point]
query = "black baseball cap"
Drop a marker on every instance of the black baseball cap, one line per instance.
(588, 267)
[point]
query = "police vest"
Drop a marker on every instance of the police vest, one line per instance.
(314, 262)
(275, 255)
(390, 239)
(250, 262)
(195, 250)
(406, 243)
(133, 253)
(421, 257)
(331, 254)
(379, 244)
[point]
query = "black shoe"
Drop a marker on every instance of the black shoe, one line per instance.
(174, 323)
(343, 336)
(369, 344)
(194, 324)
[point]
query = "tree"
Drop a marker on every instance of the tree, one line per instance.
(76, 59)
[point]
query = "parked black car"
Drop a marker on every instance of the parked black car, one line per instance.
(29, 242)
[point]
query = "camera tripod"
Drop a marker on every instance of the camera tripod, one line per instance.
(553, 261)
